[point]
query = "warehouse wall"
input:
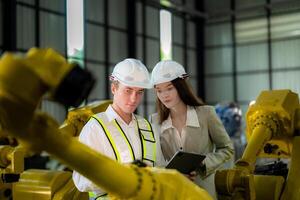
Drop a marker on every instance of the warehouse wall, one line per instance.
(255, 49)
(249, 46)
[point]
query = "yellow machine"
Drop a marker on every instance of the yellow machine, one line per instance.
(77, 117)
(23, 82)
(39, 184)
(49, 184)
(273, 125)
(11, 165)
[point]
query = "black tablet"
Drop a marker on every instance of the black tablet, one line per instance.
(185, 162)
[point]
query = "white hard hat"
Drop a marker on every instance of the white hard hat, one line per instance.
(167, 70)
(131, 72)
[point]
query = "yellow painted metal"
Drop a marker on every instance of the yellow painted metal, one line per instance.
(272, 120)
(11, 159)
(69, 191)
(236, 184)
(45, 185)
(5, 191)
(268, 187)
(24, 81)
(42, 73)
(77, 117)
(284, 103)
(292, 185)
(259, 136)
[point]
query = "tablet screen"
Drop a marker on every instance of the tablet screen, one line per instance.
(185, 162)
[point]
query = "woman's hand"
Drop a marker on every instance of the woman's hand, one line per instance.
(192, 175)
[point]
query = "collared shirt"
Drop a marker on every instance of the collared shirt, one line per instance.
(179, 139)
(93, 135)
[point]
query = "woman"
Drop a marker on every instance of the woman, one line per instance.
(186, 124)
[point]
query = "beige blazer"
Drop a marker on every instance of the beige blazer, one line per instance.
(209, 137)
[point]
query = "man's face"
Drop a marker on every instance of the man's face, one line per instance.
(127, 98)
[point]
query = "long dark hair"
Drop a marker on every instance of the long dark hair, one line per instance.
(185, 93)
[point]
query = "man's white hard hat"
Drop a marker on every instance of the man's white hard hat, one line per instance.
(131, 72)
(167, 70)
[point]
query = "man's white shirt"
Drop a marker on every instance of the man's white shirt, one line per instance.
(93, 135)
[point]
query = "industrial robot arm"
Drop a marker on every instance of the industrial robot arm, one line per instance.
(272, 125)
(23, 82)
(78, 117)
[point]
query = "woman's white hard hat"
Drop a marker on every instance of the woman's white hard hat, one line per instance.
(131, 72)
(167, 70)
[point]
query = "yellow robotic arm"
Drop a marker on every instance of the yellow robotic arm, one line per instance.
(77, 117)
(25, 80)
(44, 70)
(272, 124)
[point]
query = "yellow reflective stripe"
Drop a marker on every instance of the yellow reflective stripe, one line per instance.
(154, 144)
(143, 143)
(125, 138)
(92, 194)
(144, 147)
(154, 152)
(147, 142)
(109, 137)
(150, 128)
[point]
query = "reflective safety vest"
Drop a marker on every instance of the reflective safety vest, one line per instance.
(120, 144)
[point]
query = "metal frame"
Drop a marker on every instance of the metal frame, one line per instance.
(200, 52)
(9, 13)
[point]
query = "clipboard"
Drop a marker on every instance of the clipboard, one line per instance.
(185, 162)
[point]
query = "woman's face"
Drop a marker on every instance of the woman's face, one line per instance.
(167, 94)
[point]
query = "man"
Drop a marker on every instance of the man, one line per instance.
(117, 132)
